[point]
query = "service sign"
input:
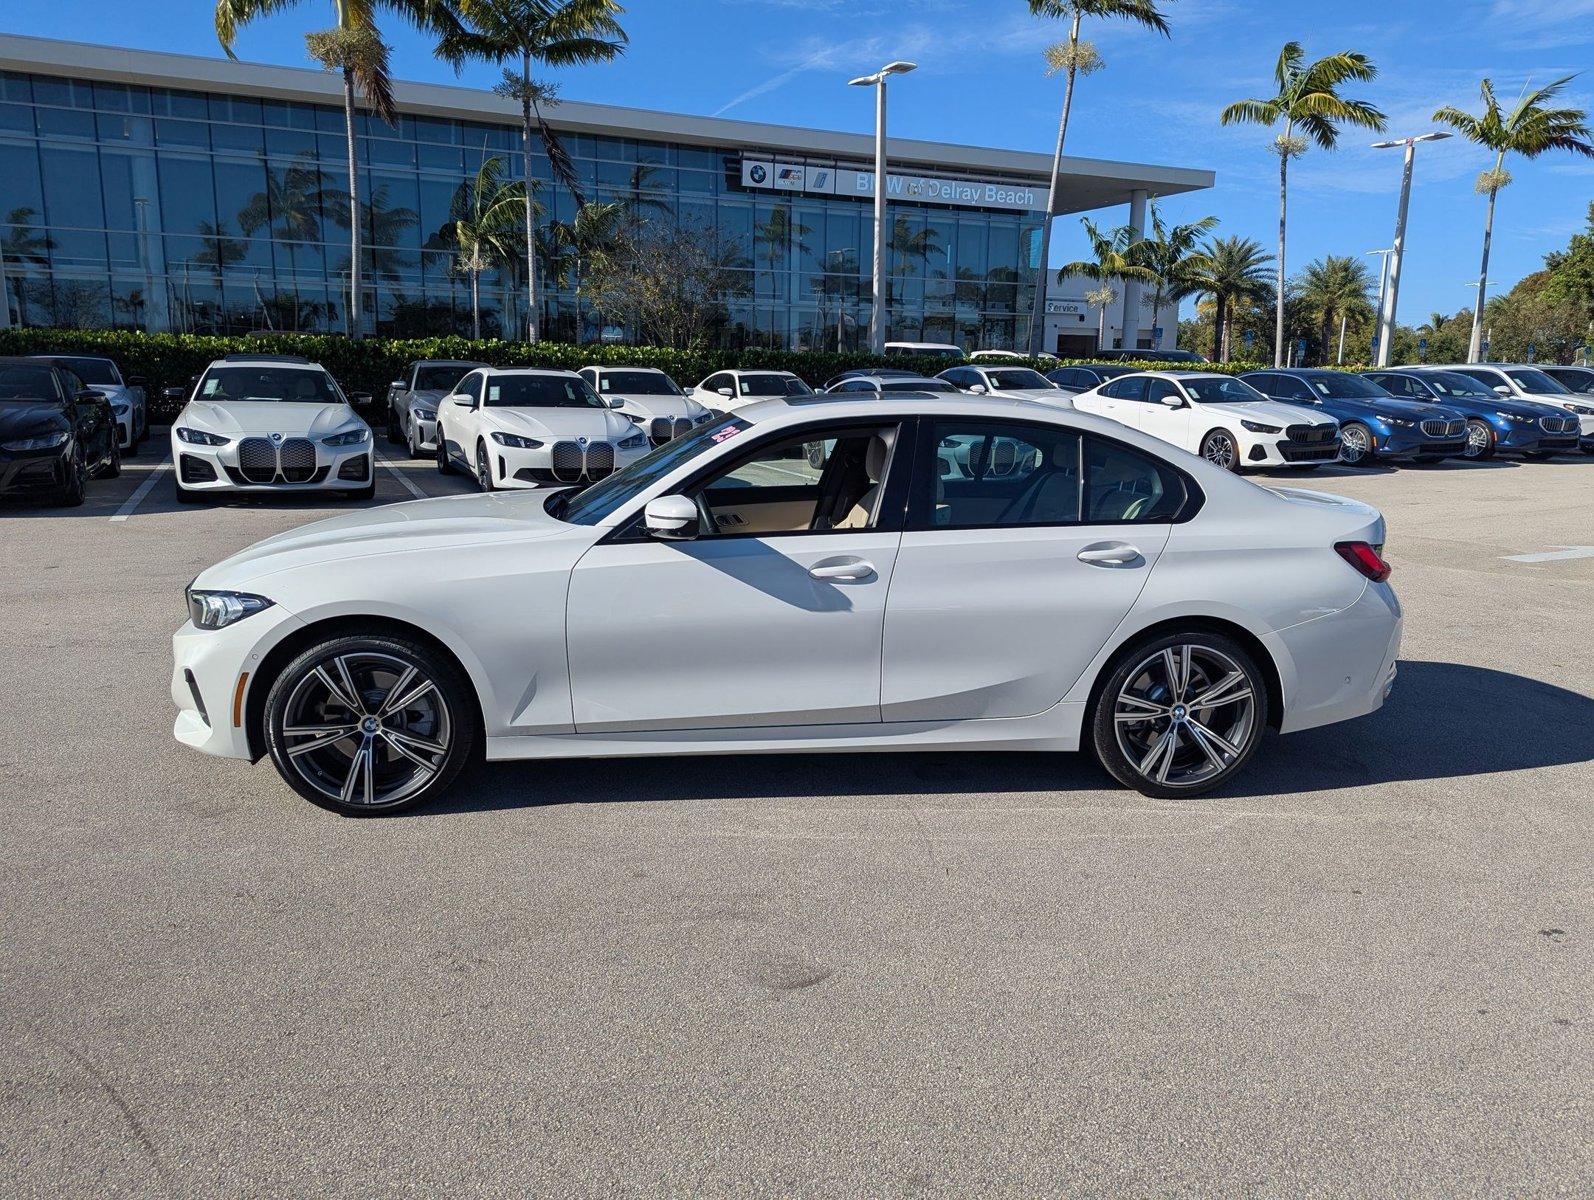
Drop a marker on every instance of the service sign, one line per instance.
(1065, 308)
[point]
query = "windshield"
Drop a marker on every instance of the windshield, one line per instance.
(774, 385)
(916, 385)
(92, 370)
(540, 391)
(596, 501)
(1210, 389)
(1009, 378)
(305, 385)
(27, 385)
(1576, 381)
(441, 378)
(1448, 383)
(1537, 382)
(638, 383)
(1337, 385)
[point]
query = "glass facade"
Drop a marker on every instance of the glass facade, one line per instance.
(150, 208)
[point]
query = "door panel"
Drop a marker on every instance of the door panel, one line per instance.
(729, 632)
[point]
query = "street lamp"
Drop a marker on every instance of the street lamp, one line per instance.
(877, 324)
(1383, 287)
(1386, 309)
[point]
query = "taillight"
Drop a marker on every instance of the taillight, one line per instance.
(1365, 558)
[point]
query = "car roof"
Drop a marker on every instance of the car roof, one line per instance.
(446, 362)
(69, 354)
(28, 360)
(619, 367)
(551, 372)
(291, 361)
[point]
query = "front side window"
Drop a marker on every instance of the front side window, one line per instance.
(539, 391)
(263, 383)
(802, 484)
(1213, 389)
(1580, 382)
(1130, 388)
(598, 501)
(717, 383)
(1016, 378)
(1536, 383)
(637, 383)
(1488, 378)
(1160, 389)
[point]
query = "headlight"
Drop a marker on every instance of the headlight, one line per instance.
(198, 437)
(1258, 427)
(217, 610)
(1522, 420)
(634, 442)
(426, 414)
(45, 441)
(1398, 421)
(515, 440)
(351, 437)
(1581, 410)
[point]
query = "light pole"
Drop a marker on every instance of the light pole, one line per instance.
(877, 323)
(1386, 308)
(1383, 286)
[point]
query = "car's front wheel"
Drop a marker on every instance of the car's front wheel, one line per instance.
(373, 724)
(1180, 715)
(1219, 448)
(1480, 441)
(1355, 445)
(484, 468)
(74, 487)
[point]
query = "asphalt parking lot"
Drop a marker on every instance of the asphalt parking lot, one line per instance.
(1366, 972)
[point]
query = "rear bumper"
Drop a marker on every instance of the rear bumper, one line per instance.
(1341, 666)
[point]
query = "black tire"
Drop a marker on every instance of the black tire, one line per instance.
(1129, 666)
(1358, 434)
(444, 466)
(185, 495)
(452, 723)
(1221, 450)
(1588, 448)
(73, 492)
(395, 433)
(1481, 442)
(113, 469)
(484, 469)
(1544, 455)
(368, 492)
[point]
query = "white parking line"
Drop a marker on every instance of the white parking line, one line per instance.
(1560, 555)
(400, 476)
(142, 490)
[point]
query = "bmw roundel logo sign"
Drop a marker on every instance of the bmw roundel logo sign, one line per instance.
(757, 173)
(276, 439)
(582, 440)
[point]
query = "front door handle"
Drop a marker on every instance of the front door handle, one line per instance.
(1110, 554)
(842, 570)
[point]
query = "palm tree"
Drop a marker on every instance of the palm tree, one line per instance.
(908, 247)
(1171, 258)
(289, 207)
(21, 244)
(551, 33)
(1336, 288)
(1308, 99)
(778, 234)
(577, 245)
(1235, 271)
(354, 49)
(1075, 58)
(484, 227)
(1110, 261)
(1530, 129)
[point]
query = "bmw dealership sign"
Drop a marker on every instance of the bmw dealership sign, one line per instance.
(770, 175)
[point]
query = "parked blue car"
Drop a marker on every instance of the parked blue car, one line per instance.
(1495, 423)
(1373, 424)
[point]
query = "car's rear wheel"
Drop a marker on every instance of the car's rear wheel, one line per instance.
(1219, 448)
(1355, 445)
(364, 725)
(1180, 715)
(1480, 441)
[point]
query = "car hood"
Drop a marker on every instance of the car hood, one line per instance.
(430, 397)
(392, 529)
(1519, 408)
(114, 392)
(1053, 396)
(660, 406)
(1271, 412)
(22, 420)
(234, 418)
(544, 423)
(1406, 410)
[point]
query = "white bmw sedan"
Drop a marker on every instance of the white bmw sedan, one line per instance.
(894, 573)
(525, 428)
(1224, 420)
(649, 398)
(261, 424)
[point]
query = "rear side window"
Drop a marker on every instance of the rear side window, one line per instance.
(1131, 387)
(1122, 484)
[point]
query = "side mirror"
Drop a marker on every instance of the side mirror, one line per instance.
(727, 392)
(671, 518)
(397, 383)
(134, 381)
(1173, 402)
(977, 389)
(615, 401)
(461, 400)
(360, 399)
(174, 393)
(1500, 389)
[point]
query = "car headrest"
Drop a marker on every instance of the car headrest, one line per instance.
(875, 458)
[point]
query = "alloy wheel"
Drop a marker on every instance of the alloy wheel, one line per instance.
(1185, 714)
(484, 470)
(1477, 440)
(1355, 445)
(366, 729)
(1219, 450)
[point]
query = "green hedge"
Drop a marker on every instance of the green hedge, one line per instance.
(172, 359)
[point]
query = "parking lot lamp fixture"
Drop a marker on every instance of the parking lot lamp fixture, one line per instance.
(877, 322)
(1391, 297)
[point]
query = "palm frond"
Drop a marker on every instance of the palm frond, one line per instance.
(1252, 112)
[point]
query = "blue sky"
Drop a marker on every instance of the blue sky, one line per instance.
(982, 81)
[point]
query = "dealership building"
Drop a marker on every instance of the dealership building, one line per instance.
(172, 192)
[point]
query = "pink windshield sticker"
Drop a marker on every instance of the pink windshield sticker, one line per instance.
(727, 433)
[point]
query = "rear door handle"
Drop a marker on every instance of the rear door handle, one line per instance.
(842, 570)
(1110, 554)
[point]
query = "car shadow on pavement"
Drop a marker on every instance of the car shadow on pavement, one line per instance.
(1444, 721)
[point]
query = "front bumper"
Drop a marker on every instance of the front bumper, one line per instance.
(34, 471)
(1413, 443)
(1281, 451)
(425, 434)
(125, 429)
(218, 469)
(558, 464)
(212, 674)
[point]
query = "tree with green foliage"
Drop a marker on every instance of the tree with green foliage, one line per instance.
(1336, 289)
(484, 228)
(1172, 261)
(1109, 263)
(547, 33)
(1235, 272)
(1308, 100)
(1571, 272)
(1073, 58)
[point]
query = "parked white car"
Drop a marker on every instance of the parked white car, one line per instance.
(1519, 381)
(727, 391)
(652, 401)
(1017, 383)
(128, 401)
(1010, 356)
(733, 593)
(923, 350)
(261, 423)
(412, 402)
(1224, 420)
(525, 428)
